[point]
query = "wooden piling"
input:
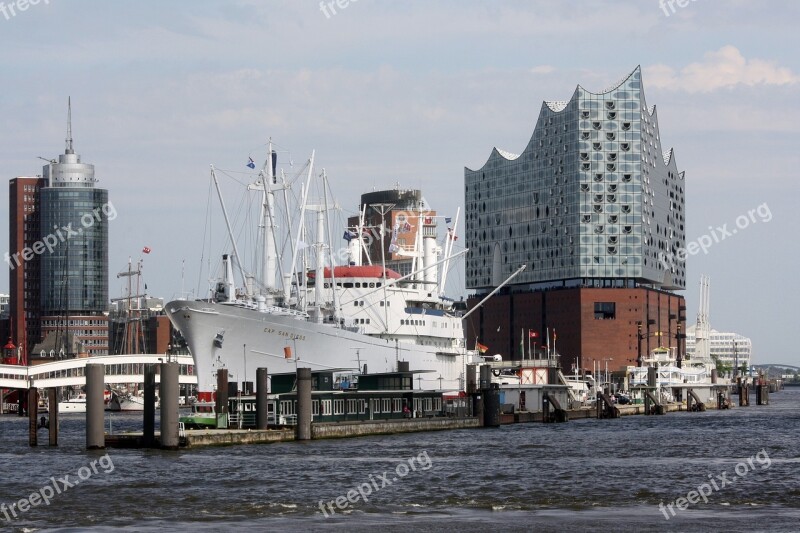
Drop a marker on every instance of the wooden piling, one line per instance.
(52, 423)
(33, 412)
(262, 403)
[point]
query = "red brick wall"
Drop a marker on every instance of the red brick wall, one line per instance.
(581, 339)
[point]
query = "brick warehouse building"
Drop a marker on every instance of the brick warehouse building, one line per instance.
(595, 208)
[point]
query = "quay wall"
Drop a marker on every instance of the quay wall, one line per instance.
(331, 430)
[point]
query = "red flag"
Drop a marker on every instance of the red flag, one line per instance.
(481, 347)
(146, 250)
(533, 334)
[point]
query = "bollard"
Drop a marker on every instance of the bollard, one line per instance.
(170, 438)
(52, 424)
(303, 404)
(95, 408)
(33, 411)
(714, 376)
(262, 402)
(149, 422)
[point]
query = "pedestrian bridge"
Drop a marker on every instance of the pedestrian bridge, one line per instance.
(72, 372)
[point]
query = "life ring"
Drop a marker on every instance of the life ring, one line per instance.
(496, 373)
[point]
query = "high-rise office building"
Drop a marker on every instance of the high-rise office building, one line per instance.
(594, 206)
(59, 259)
(23, 209)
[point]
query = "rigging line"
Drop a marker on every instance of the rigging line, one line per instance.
(206, 225)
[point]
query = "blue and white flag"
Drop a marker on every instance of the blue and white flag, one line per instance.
(447, 220)
(251, 163)
(349, 235)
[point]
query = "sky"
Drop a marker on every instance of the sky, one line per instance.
(408, 92)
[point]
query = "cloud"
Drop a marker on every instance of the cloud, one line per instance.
(720, 69)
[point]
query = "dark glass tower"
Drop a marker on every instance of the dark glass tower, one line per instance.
(74, 217)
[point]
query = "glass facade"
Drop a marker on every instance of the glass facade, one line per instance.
(74, 219)
(591, 198)
(74, 277)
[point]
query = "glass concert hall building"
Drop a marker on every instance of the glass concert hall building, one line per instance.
(594, 206)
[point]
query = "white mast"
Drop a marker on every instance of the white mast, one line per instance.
(448, 251)
(703, 328)
(230, 232)
(301, 292)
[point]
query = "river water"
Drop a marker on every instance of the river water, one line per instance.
(585, 475)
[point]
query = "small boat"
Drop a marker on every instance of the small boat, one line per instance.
(203, 416)
(125, 401)
(76, 404)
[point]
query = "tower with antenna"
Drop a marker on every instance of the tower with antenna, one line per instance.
(74, 213)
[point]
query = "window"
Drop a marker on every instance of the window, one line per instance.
(386, 405)
(326, 407)
(397, 405)
(353, 406)
(315, 407)
(626, 126)
(597, 125)
(626, 178)
(605, 310)
(338, 407)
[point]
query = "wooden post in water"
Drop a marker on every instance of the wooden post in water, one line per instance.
(303, 404)
(262, 403)
(149, 422)
(222, 397)
(33, 412)
(95, 408)
(170, 390)
(52, 424)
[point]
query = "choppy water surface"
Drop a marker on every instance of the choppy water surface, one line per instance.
(606, 475)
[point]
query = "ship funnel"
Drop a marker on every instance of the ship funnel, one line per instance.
(226, 290)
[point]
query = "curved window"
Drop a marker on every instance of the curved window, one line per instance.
(626, 126)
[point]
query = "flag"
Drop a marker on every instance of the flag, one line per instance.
(451, 235)
(349, 235)
(251, 163)
(533, 334)
(482, 348)
(146, 250)
(447, 220)
(522, 342)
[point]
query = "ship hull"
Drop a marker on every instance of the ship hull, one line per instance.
(242, 340)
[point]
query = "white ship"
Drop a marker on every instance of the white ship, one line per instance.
(125, 401)
(353, 316)
(76, 404)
